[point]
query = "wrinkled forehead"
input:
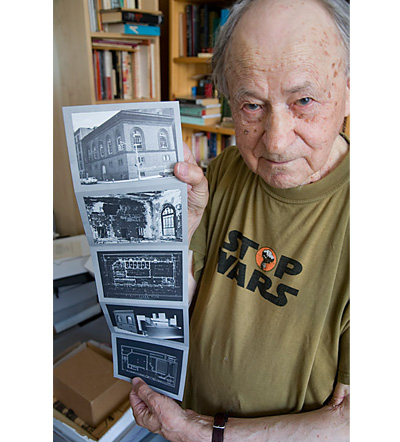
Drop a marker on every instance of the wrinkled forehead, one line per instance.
(280, 32)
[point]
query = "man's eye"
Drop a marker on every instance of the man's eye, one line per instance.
(304, 101)
(252, 107)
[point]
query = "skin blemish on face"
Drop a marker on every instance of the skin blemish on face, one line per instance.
(246, 132)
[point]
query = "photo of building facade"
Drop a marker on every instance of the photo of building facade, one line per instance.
(135, 217)
(130, 145)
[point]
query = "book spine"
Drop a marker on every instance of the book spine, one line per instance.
(126, 75)
(102, 75)
(152, 70)
(213, 145)
(196, 30)
(108, 75)
(142, 30)
(182, 34)
(115, 70)
(98, 15)
(188, 10)
(96, 66)
(133, 29)
(142, 17)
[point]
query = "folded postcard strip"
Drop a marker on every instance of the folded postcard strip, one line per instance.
(134, 212)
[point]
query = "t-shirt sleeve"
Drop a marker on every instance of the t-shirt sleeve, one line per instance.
(198, 245)
(344, 357)
(200, 237)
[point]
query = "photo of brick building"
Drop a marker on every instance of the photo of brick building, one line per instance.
(131, 145)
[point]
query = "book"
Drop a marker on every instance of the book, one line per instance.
(123, 16)
(204, 40)
(133, 29)
(197, 99)
(182, 35)
(143, 71)
(189, 26)
(152, 69)
(114, 44)
(198, 110)
(127, 75)
(224, 16)
(108, 75)
(201, 121)
(195, 29)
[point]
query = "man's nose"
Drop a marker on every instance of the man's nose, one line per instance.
(279, 131)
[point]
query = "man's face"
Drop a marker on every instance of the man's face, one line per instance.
(288, 92)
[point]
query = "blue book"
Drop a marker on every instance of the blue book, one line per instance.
(224, 16)
(133, 29)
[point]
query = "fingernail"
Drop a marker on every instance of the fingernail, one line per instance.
(182, 169)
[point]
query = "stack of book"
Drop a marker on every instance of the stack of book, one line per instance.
(200, 110)
(125, 21)
(124, 69)
(101, 11)
(197, 29)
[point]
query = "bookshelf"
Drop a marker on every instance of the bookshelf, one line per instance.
(183, 69)
(74, 84)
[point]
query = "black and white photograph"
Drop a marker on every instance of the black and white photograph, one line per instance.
(148, 216)
(140, 275)
(150, 322)
(163, 367)
(125, 142)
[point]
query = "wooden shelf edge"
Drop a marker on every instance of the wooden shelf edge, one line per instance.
(214, 129)
(188, 60)
(132, 100)
(116, 36)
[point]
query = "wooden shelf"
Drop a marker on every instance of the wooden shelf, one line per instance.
(214, 129)
(74, 85)
(184, 71)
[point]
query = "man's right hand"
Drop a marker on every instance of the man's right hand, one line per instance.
(190, 173)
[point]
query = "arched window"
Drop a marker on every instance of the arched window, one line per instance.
(137, 139)
(89, 153)
(120, 145)
(168, 221)
(101, 148)
(109, 145)
(163, 139)
(95, 153)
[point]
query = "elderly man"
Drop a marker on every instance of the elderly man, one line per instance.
(269, 334)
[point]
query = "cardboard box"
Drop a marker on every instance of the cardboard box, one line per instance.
(83, 381)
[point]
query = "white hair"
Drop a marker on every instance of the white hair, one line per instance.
(339, 10)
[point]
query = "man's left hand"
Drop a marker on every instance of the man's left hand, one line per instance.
(162, 415)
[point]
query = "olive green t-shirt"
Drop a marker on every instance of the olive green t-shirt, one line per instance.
(269, 333)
